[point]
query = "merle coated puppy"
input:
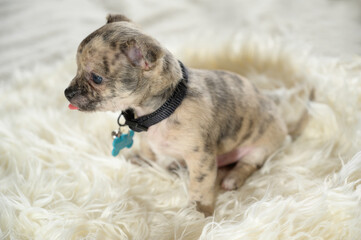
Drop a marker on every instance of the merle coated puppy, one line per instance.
(223, 118)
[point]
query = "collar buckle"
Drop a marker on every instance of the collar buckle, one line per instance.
(130, 121)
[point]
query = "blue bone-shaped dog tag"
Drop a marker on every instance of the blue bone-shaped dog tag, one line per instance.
(125, 140)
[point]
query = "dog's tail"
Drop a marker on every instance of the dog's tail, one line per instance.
(293, 108)
(295, 129)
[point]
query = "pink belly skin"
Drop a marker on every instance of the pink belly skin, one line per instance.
(233, 156)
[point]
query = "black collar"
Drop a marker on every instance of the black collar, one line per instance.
(142, 123)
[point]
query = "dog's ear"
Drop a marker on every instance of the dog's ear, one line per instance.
(117, 18)
(142, 54)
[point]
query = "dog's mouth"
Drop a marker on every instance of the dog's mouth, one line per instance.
(72, 107)
(89, 107)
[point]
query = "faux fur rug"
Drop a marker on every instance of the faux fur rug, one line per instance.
(58, 179)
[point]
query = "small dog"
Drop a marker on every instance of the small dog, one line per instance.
(223, 118)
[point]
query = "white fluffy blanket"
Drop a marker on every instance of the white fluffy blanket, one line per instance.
(58, 179)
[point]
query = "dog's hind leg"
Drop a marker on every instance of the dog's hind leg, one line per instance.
(243, 169)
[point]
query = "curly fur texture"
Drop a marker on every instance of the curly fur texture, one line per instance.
(58, 179)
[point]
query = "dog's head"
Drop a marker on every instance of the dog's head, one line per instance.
(115, 66)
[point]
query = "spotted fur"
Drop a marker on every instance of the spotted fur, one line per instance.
(223, 113)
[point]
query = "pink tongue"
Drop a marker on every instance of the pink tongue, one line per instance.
(72, 107)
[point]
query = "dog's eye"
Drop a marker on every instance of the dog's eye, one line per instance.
(97, 79)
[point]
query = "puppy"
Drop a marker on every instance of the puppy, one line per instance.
(222, 119)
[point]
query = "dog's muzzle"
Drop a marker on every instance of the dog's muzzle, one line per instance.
(70, 93)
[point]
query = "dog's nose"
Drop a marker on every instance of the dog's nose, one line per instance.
(70, 93)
